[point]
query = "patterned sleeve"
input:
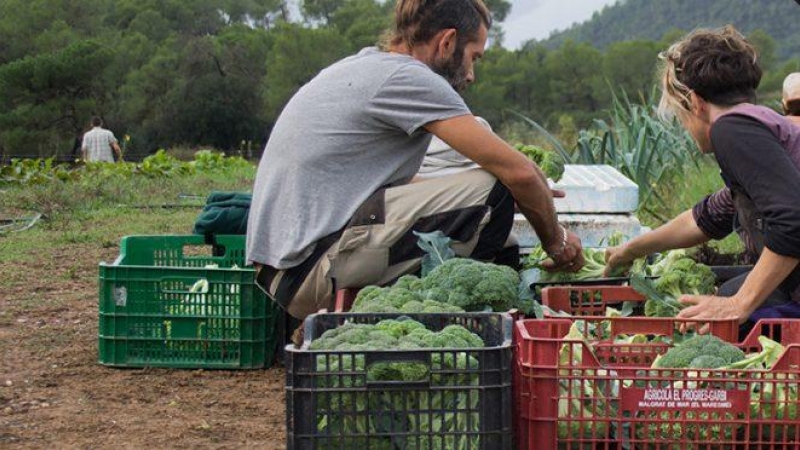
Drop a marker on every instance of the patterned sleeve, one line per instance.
(714, 214)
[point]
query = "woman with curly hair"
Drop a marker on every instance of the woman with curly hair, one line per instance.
(709, 80)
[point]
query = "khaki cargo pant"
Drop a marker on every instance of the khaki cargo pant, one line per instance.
(378, 244)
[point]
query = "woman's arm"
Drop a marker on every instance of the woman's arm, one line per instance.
(680, 232)
(768, 273)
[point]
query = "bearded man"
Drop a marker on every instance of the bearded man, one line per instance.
(333, 206)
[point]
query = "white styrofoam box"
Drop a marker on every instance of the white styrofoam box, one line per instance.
(595, 189)
(593, 229)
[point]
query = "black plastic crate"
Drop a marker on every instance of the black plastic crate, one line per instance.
(331, 402)
(721, 273)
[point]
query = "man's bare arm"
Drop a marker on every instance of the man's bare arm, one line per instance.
(522, 177)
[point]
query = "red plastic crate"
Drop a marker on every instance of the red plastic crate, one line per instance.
(589, 300)
(613, 400)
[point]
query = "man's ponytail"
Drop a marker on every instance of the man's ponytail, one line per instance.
(417, 21)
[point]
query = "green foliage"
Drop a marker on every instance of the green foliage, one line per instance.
(160, 164)
(33, 171)
(362, 21)
(45, 97)
(286, 72)
(69, 197)
(437, 250)
(642, 147)
(630, 67)
(551, 163)
(216, 73)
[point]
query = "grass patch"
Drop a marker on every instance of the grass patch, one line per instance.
(91, 214)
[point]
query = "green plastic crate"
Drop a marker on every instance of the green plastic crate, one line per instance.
(155, 310)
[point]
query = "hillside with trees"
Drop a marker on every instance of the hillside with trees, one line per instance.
(651, 19)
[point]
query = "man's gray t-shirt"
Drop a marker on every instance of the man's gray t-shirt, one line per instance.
(357, 126)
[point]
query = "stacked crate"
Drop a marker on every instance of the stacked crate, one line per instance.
(599, 202)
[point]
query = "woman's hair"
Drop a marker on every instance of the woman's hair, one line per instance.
(417, 21)
(719, 65)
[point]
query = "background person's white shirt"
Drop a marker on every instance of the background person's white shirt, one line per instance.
(97, 144)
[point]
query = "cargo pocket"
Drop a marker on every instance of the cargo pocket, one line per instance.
(354, 263)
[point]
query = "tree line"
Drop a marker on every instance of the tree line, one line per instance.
(216, 73)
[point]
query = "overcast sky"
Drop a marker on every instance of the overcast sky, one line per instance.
(535, 19)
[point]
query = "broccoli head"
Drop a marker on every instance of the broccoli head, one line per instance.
(473, 285)
(677, 274)
(684, 276)
(551, 163)
(396, 299)
(374, 299)
(410, 282)
(700, 352)
(429, 306)
(661, 308)
(389, 333)
(341, 379)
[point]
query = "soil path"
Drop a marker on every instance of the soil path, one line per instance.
(53, 393)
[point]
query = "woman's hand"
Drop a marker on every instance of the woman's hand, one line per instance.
(616, 257)
(711, 307)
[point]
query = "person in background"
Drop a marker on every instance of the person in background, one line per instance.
(333, 206)
(709, 82)
(791, 97)
(98, 143)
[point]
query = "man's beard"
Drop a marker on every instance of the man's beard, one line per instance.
(453, 70)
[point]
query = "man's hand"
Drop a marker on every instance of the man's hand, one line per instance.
(569, 258)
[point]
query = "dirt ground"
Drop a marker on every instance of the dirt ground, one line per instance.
(53, 393)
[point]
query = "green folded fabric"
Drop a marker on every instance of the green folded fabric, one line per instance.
(224, 213)
(225, 199)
